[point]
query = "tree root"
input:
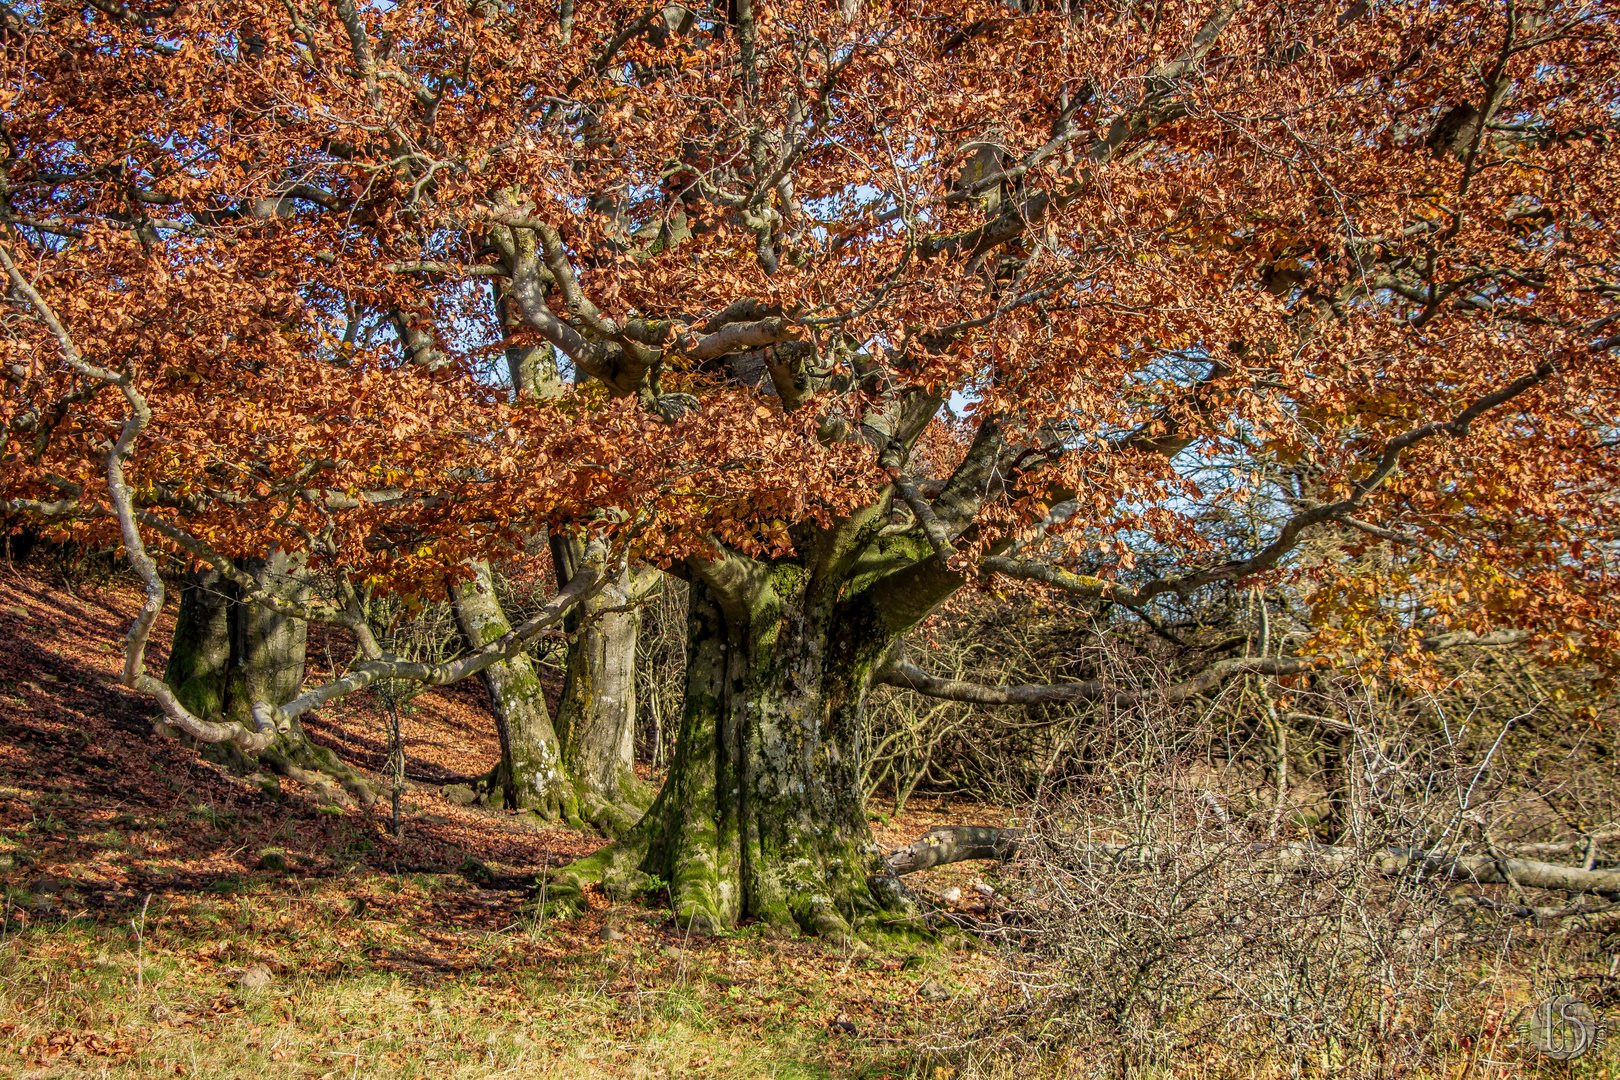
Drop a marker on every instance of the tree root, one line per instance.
(706, 892)
(294, 756)
(615, 870)
(616, 808)
(571, 802)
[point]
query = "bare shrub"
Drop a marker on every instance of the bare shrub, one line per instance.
(1176, 906)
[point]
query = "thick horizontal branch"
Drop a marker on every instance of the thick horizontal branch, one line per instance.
(911, 677)
(738, 337)
(949, 844)
(955, 843)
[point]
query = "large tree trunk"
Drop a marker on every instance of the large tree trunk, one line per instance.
(200, 655)
(266, 648)
(529, 775)
(763, 814)
(596, 717)
(228, 654)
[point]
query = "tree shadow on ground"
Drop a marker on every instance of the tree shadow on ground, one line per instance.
(97, 812)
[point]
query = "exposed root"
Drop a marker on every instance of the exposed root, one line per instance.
(609, 818)
(614, 808)
(615, 870)
(294, 756)
(817, 916)
(571, 802)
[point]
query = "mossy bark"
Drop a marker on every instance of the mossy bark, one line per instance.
(228, 654)
(267, 647)
(596, 716)
(200, 654)
(763, 814)
(529, 775)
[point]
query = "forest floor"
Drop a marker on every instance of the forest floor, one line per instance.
(162, 916)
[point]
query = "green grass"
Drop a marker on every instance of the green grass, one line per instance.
(392, 992)
(423, 975)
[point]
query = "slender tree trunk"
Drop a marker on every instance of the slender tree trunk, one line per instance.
(228, 654)
(596, 717)
(529, 775)
(763, 814)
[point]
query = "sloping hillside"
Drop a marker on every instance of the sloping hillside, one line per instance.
(165, 916)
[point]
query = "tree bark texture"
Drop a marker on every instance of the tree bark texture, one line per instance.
(529, 775)
(763, 813)
(596, 717)
(228, 654)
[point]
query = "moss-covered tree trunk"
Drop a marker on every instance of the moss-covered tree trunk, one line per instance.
(200, 654)
(228, 654)
(763, 814)
(596, 716)
(267, 648)
(529, 775)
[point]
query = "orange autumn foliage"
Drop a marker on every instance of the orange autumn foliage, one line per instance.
(1180, 263)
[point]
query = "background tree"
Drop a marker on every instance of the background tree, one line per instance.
(865, 304)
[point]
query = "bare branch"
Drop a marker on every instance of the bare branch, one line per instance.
(1289, 535)
(911, 677)
(585, 582)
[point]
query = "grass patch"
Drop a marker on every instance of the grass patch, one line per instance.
(378, 975)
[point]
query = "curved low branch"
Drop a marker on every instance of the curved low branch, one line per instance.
(955, 843)
(268, 719)
(911, 677)
(585, 582)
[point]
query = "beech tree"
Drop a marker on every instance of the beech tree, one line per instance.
(834, 310)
